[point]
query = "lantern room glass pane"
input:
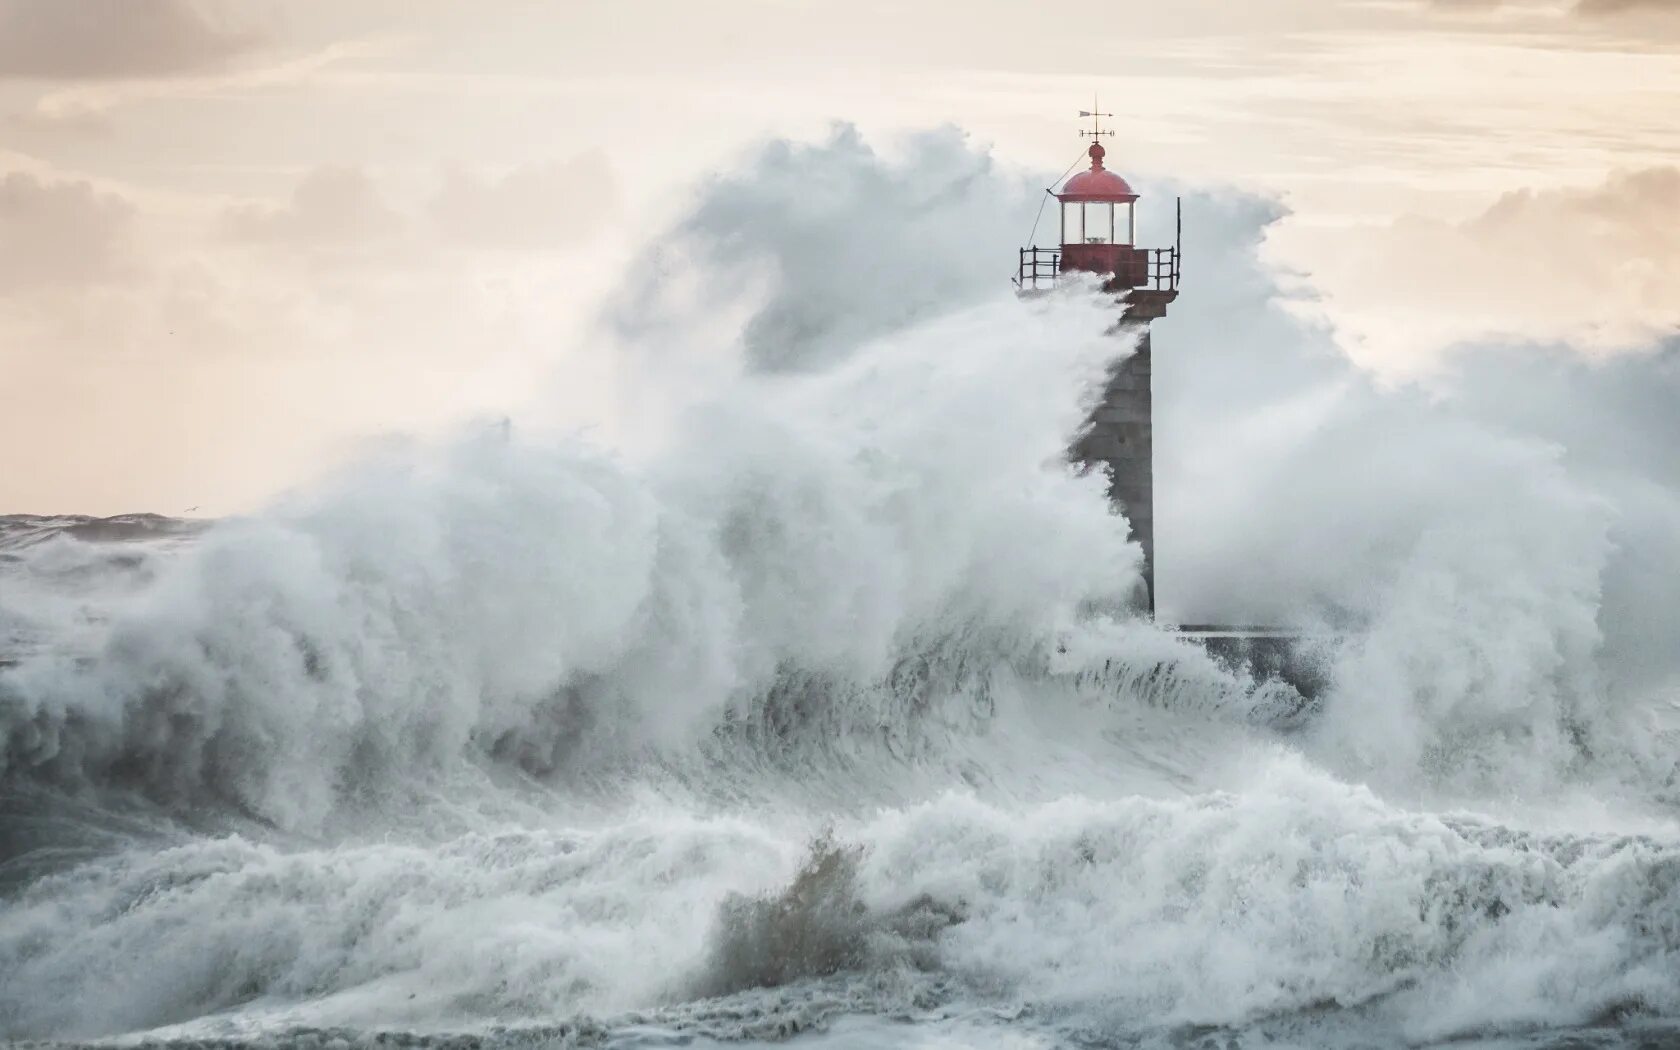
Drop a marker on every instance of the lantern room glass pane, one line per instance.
(1099, 222)
(1125, 223)
(1073, 223)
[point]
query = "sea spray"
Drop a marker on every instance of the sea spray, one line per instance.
(816, 707)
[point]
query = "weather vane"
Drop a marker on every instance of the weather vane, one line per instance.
(1096, 131)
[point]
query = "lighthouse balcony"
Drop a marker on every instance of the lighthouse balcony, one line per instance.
(1150, 269)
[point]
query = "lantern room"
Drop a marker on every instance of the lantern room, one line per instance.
(1098, 217)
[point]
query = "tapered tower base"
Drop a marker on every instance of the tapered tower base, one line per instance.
(1120, 436)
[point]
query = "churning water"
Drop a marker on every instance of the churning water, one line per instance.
(818, 718)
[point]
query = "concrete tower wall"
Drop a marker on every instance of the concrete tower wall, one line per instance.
(1120, 437)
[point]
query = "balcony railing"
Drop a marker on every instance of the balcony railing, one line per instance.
(1153, 269)
(1163, 269)
(1040, 267)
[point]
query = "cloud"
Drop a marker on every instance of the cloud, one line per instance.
(1587, 8)
(60, 232)
(1593, 7)
(206, 355)
(115, 39)
(332, 206)
(538, 206)
(1591, 266)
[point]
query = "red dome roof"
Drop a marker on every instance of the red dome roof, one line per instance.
(1098, 184)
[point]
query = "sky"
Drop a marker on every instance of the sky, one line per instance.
(239, 240)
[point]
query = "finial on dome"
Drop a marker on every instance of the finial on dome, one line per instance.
(1097, 153)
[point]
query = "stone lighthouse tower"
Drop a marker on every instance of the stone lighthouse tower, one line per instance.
(1098, 235)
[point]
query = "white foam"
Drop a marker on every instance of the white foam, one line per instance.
(531, 732)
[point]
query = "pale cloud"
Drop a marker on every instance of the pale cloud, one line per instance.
(209, 370)
(544, 205)
(1572, 7)
(56, 232)
(86, 99)
(332, 206)
(117, 39)
(1613, 6)
(1596, 267)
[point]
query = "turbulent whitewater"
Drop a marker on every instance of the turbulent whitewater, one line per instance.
(815, 714)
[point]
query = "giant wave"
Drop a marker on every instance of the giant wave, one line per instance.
(820, 716)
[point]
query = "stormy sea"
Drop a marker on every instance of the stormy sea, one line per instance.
(813, 712)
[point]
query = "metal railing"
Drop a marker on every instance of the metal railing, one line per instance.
(1163, 269)
(1042, 267)
(1038, 267)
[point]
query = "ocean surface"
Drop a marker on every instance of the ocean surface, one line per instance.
(819, 721)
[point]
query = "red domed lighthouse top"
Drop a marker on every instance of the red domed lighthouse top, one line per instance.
(1097, 184)
(1099, 236)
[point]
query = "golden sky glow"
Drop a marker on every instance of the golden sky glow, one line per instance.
(235, 238)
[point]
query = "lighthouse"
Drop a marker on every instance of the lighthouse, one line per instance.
(1098, 212)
